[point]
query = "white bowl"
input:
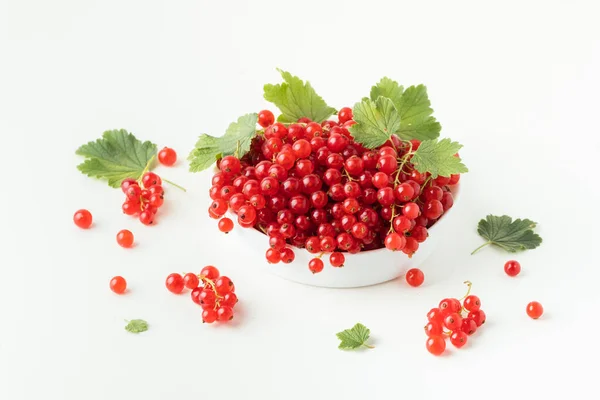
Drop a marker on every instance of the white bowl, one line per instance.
(361, 269)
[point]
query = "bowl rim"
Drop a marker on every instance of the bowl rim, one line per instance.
(454, 189)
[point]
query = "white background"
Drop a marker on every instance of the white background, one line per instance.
(517, 83)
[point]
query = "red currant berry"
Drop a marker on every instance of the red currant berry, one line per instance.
(224, 314)
(273, 256)
(337, 259)
(344, 115)
(436, 345)
(230, 299)
(512, 268)
(387, 164)
(209, 316)
(146, 217)
(433, 209)
(458, 339)
(195, 294)
(453, 321)
(472, 303)
(449, 306)
(411, 210)
(223, 285)
(433, 329)
(125, 238)
(315, 265)
(150, 178)
(415, 277)
(394, 241)
(210, 272)
(191, 280)
(468, 326)
(167, 156)
(477, 316)
(435, 315)
(225, 225)
(175, 283)
(118, 284)
(265, 118)
(535, 310)
(83, 219)
(287, 255)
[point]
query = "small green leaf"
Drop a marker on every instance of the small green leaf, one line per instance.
(136, 326)
(415, 112)
(116, 156)
(354, 338)
(387, 88)
(438, 158)
(376, 121)
(507, 234)
(236, 140)
(296, 100)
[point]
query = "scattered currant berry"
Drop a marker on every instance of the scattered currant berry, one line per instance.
(125, 238)
(175, 283)
(265, 118)
(472, 303)
(83, 219)
(458, 339)
(315, 265)
(118, 285)
(167, 156)
(512, 268)
(210, 272)
(337, 259)
(415, 277)
(535, 309)
(225, 225)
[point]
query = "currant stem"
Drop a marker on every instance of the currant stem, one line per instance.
(174, 184)
(469, 284)
(368, 346)
(480, 247)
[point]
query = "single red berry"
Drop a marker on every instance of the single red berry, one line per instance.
(468, 326)
(210, 272)
(512, 268)
(265, 118)
(83, 219)
(415, 277)
(230, 165)
(436, 345)
(394, 241)
(472, 303)
(224, 314)
(191, 281)
(167, 156)
(477, 316)
(125, 238)
(230, 299)
(174, 283)
(118, 284)
(535, 310)
(344, 115)
(458, 339)
(449, 306)
(209, 316)
(435, 315)
(337, 259)
(273, 256)
(453, 321)
(315, 265)
(287, 255)
(433, 329)
(150, 178)
(146, 217)
(225, 225)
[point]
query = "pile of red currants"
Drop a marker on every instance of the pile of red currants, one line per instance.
(312, 186)
(143, 198)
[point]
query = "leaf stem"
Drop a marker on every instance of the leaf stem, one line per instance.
(480, 247)
(368, 346)
(174, 184)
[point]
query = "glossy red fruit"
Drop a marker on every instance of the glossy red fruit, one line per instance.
(337, 259)
(83, 219)
(265, 118)
(209, 316)
(453, 321)
(174, 283)
(535, 309)
(436, 345)
(191, 281)
(125, 238)
(167, 156)
(118, 285)
(477, 316)
(315, 265)
(415, 277)
(472, 303)
(468, 326)
(512, 268)
(458, 339)
(224, 314)
(210, 272)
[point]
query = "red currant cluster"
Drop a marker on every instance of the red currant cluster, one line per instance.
(455, 320)
(214, 293)
(312, 186)
(144, 197)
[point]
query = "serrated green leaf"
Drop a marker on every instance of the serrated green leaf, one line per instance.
(115, 156)
(236, 140)
(438, 158)
(376, 121)
(389, 88)
(354, 338)
(296, 100)
(415, 112)
(136, 326)
(507, 234)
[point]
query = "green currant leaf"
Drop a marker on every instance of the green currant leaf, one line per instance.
(415, 111)
(115, 156)
(376, 121)
(136, 326)
(296, 100)
(387, 88)
(235, 141)
(438, 158)
(507, 234)
(354, 338)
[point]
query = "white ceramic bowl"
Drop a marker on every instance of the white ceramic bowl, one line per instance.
(361, 269)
